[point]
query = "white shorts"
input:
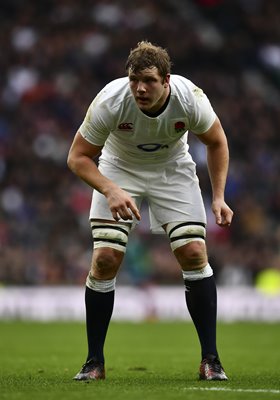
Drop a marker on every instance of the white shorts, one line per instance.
(171, 190)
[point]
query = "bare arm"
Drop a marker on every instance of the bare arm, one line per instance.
(80, 161)
(218, 160)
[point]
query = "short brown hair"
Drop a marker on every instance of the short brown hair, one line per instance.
(147, 55)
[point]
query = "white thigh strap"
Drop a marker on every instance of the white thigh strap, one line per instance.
(110, 235)
(185, 232)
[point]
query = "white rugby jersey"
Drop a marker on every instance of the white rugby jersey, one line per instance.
(115, 121)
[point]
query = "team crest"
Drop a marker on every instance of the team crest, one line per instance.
(180, 126)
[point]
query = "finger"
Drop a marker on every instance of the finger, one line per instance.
(115, 215)
(225, 224)
(135, 212)
(125, 213)
(227, 221)
(227, 218)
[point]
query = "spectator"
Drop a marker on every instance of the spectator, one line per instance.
(49, 53)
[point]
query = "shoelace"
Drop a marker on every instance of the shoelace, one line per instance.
(90, 364)
(214, 365)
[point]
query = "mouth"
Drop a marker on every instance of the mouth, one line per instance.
(142, 99)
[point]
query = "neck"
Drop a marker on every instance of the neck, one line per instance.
(162, 107)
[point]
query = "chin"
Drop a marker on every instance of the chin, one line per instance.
(144, 108)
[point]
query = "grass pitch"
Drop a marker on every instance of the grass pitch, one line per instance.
(152, 360)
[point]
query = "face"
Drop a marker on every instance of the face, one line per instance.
(149, 89)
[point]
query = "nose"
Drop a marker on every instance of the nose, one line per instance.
(141, 87)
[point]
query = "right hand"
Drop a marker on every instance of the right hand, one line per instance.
(121, 204)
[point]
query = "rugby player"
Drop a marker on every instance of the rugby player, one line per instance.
(138, 126)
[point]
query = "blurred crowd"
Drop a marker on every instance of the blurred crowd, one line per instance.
(56, 55)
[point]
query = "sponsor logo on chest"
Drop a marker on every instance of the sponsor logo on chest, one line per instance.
(125, 126)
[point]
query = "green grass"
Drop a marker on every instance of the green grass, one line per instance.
(144, 361)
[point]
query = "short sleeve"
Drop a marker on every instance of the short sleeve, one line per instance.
(203, 115)
(96, 125)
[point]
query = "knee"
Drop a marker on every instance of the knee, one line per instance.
(192, 255)
(105, 263)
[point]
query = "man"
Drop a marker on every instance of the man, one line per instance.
(139, 125)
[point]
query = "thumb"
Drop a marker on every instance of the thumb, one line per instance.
(218, 216)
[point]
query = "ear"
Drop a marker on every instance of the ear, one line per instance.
(166, 81)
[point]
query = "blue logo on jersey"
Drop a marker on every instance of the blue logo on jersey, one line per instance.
(152, 146)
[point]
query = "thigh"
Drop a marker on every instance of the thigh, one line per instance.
(125, 178)
(109, 242)
(176, 196)
(187, 241)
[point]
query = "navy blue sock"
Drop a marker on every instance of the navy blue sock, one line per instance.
(201, 299)
(99, 308)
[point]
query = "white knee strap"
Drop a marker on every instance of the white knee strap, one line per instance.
(198, 274)
(102, 286)
(185, 232)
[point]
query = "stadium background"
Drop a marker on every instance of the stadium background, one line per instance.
(56, 55)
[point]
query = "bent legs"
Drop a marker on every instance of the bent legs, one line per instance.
(99, 298)
(201, 295)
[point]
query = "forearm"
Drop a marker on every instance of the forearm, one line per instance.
(81, 162)
(218, 161)
(86, 169)
(120, 202)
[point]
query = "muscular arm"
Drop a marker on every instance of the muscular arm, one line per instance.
(218, 160)
(80, 161)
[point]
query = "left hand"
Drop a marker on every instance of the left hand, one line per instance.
(222, 212)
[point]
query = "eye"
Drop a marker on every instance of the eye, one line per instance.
(150, 80)
(132, 79)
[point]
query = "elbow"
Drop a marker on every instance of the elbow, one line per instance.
(71, 163)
